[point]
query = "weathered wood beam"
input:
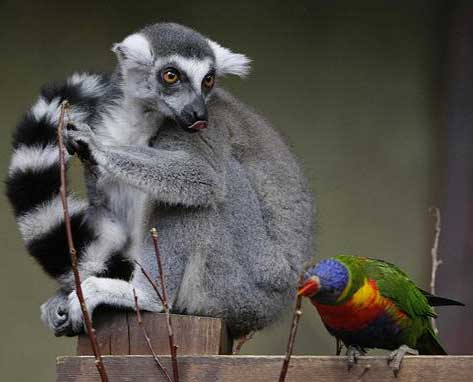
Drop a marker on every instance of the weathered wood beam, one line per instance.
(118, 333)
(267, 368)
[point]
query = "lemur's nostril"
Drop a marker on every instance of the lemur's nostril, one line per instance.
(199, 116)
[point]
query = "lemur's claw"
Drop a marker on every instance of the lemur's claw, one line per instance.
(71, 126)
(67, 142)
(78, 139)
(55, 316)
(65, 329)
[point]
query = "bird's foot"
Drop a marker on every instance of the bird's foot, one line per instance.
(353, 353)
(396, 357)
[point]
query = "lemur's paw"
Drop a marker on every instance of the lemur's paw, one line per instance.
(54, 314)
(80, 139)
(89, 290)
(75, 313)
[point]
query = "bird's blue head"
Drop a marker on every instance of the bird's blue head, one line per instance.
(325, 281)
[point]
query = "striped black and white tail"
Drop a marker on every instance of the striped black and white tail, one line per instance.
(33, 178)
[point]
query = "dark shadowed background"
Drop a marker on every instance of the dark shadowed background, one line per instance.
(374, 98)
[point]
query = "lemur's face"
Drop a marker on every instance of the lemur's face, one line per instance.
(172, 69)
(183, 87)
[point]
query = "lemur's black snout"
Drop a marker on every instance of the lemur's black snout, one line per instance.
(195, 114)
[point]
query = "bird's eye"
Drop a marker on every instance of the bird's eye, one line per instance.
(170, 76)
(209, 81)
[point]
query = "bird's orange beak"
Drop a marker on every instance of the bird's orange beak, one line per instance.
(310, 287)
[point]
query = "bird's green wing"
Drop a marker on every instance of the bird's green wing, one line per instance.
(398, 287)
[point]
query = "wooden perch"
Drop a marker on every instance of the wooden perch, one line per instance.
(267, 368)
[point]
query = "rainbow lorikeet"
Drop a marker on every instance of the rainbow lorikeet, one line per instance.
(369, 303)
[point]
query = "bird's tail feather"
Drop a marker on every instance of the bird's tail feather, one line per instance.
(440, 301)
(428, 344)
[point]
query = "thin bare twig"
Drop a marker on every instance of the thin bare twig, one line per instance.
(72, 251)
(147, 339)
(150, 280)
(241, 341)
(365, 370)
(172, 345)
(436, 261)
(292, 335)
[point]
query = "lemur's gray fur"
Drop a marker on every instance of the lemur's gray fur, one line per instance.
(230, 203)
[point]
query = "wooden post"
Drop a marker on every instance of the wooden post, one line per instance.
(456, 241)
(118, 333)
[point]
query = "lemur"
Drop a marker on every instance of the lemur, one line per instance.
(162, 146)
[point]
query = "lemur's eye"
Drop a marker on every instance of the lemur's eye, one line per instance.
(170, 76)
(209, 81)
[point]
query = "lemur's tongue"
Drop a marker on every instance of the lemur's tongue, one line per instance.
(199, 125)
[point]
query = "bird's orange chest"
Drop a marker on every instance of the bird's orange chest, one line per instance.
(363, 307)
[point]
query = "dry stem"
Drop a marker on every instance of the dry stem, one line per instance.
(172, 346)
(292, 335)
(436, 262)
(147, 339)
(241, 341)
(67, 219)
(150, 280)
(365, 370)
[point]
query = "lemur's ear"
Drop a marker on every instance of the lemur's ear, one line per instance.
(134, 51)
(228, 62)
(135, 60)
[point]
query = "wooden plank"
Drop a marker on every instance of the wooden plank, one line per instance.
(193, 335)
(111, 328)
(267, 368)
(226, 341)
(118, 333)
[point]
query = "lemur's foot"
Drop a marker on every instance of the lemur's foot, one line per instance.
(90, 290)
(54, 314)
(354, 352)
(396, 357)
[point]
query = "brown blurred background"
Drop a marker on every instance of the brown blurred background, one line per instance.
(374, 97)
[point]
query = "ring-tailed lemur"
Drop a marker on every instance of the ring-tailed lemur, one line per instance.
(230, 202)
